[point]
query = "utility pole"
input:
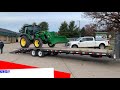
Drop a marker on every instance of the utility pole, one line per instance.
(79, 25)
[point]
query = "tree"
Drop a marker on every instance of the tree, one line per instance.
(22, 28)
(63, 30)
(107, 19)
(82, 32)
(44, 26)
(90, 29)
(70, 30)
(73, 30)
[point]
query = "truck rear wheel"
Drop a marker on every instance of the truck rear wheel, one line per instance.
(38, 43)
(51, 45)
(74, 46)
(102, 46)
(24, 42)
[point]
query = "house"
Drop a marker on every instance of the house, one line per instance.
(8, 36)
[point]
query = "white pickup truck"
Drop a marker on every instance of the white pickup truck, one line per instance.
(88, 42)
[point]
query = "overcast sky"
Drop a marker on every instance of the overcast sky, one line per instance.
(14, 20)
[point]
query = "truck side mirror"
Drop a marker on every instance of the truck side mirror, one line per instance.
(80, 40)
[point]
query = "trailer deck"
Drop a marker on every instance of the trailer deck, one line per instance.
(58, 50)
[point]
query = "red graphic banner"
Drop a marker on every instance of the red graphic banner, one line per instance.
(10, 65)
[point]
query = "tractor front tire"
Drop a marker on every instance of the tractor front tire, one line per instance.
(38, 43)
(51, 45)
(24, 42)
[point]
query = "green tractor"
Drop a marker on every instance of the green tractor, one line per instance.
(32, 34)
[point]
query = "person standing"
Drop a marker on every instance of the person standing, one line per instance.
(1, 46)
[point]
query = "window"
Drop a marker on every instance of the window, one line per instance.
(84, 39)
(89, 39)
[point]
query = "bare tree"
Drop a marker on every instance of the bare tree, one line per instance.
(90, 29)
(107, 19)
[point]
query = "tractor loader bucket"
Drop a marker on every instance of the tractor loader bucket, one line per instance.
(55, 38)
(59, 39)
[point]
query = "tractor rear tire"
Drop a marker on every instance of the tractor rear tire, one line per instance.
(24, 42)
(51, 45)
(38, 43)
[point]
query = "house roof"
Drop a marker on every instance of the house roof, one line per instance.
(6, 32)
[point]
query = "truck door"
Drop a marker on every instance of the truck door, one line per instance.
(82, 43)
(90, 42)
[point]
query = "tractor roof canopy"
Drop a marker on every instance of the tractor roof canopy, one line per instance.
(33, 28)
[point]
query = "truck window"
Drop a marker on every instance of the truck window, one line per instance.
(89, 39)
(84, 39)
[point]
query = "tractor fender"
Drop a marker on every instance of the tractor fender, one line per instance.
(23, 35)
(26, 36)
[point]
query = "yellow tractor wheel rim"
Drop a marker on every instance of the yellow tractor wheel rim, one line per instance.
(23, 42)
(36, 43)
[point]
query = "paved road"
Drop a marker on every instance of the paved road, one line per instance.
(78, 66)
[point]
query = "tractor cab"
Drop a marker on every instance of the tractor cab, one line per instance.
(31, 30)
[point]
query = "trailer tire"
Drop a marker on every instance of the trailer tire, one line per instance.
(40, 53)
(34, 53)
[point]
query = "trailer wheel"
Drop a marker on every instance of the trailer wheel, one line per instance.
(41, 53)
(34, 53)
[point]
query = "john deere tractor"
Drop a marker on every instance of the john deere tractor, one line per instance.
(32, 34)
